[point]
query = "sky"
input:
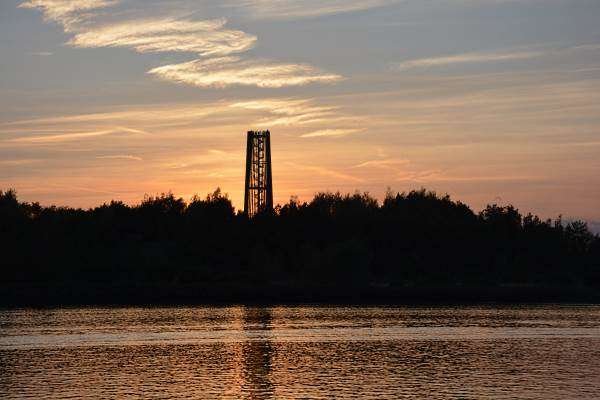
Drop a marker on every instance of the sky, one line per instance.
(491, 101)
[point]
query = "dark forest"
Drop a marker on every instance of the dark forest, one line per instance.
(416, 246)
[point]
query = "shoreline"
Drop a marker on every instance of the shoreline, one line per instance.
(57, 296)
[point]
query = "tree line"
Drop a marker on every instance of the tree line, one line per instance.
(413, 239)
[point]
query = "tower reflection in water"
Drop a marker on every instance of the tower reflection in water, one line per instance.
(255, 354)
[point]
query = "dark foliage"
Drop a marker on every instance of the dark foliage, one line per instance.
(415, 239)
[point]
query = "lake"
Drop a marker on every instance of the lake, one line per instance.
(532, 352)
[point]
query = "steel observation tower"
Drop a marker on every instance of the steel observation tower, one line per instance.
(258, 194)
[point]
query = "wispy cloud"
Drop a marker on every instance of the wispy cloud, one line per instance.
(402, 170)
(63, 137)
(328, 172)
(120, 157)
(206, 38)
(383, 163)
(431, 175)
(439, 176)
(286, 9)
(209, 158)
(154, 114)
(227, 71)
(319, 119)
(330, 133)
(465, 59)
(304, 108)
(40, 53)
(586, 47)
(147, 118)
(297, 112)
(20, 162)
(69, 13)
(488, 57)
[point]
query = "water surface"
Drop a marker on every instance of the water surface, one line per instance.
(546, 352)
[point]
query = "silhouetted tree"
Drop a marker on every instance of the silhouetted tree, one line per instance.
(215, 207)
(412, 239)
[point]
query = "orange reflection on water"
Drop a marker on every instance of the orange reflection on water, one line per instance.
(546, 352)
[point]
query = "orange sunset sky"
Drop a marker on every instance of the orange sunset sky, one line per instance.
(487, 100)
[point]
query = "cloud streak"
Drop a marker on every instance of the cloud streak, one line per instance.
(319, 119)
(69, 13)
(287, 9)
(228, 71)
(120, 157)
(488, 57)
(330, 133)
(64, 137)
(327, 172)
(388, 163)
(466, 58)
(297, 112)
(206, 38)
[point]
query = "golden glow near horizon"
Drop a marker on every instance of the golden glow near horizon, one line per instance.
(111, 99)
